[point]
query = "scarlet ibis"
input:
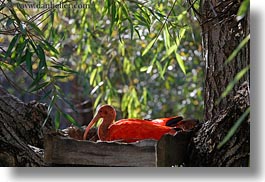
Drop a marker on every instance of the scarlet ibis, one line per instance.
(171, 121)
(127, 130)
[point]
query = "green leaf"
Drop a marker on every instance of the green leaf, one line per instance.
(36, 80)
(124, 102)
(149, 46)
(50, 47)
(6, 66)
(113, 16)
(22, 10)
(54, 97)
(180, 36)
(40, 86)
(232, 131)
(180, 62)
(144, 68)
(142, 20)
(243, 9)
(45, 96)
(9, 22)
(239, 47)
(93, 76)
(57, 120)
(12, 45)
(35, 27)
(144, 95)
(19, 50)
(2, 6)
(138, 33)
(160, 69)
(71, 119)
(64, 68)
(231, 85)
(170, 51)
(166, 38)
(127, 15)
(41, 56)
(98, 99)
(125, 11)
(165, 67)
(60, 76)
(29, 61)
(96, 87)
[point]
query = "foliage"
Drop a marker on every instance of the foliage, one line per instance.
(143, 57)
(243, 9)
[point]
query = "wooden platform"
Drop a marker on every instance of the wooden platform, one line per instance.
(65, 151)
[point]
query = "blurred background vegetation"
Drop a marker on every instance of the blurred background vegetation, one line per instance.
(142, 57)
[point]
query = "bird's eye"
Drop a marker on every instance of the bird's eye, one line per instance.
(103, 112)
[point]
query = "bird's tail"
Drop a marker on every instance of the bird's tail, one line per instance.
(186, 124)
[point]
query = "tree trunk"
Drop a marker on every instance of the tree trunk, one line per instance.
(222, 33)
(21, 131)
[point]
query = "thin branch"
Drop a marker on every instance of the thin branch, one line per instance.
(163, 25)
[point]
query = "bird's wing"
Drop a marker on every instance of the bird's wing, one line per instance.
(170, 121)
(133, 130)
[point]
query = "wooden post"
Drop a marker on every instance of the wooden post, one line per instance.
(65, 151)
(171, 150)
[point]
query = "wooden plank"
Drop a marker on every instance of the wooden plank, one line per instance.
(66, 151)
(171, 150)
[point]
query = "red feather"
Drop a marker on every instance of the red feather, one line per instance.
(128, 130)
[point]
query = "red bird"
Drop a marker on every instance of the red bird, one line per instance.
(129, 130)
(171, 121)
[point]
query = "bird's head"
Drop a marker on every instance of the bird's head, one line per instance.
(107, 112)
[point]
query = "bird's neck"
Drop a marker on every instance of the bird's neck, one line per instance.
(104, 128)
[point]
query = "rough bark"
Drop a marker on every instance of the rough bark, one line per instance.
(203, 148)
(222, 33)
(21, 131)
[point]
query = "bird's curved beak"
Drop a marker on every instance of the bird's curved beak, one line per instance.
(90, 125)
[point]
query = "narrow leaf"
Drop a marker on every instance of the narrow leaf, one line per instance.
(41, 56)
(144, 68)
(160, 69)
(40, 86)
(231, 85)
(49, 109)
(239, 47)
(170, 51)
(29, 61)
(9, 22)
(149, 46)
(97, 101)
(180, 62)
(36, 81)
(93, 76)
(166, 38)
(243, 9)
(11, 45)
(35, 27)
(71, 119)
(232, 131)
(49, 47)
(57, 120)
(61, 76)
